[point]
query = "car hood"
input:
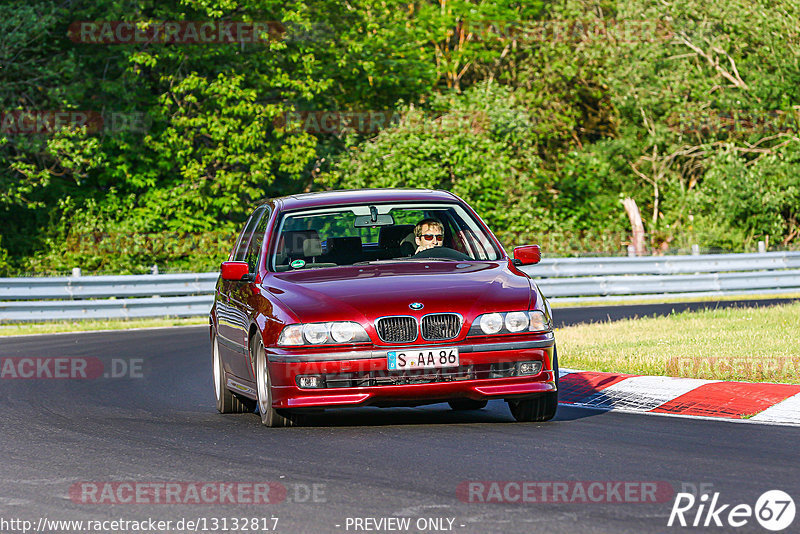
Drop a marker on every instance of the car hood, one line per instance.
(370, 291)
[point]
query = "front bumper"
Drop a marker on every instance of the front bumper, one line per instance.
(369, 383)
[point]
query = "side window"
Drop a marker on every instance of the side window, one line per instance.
(247, 233)
(254, 250)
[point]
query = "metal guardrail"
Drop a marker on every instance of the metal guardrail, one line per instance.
(561, 279)
(134, 308)
(100, 287)
(659, 277)
(707, 263)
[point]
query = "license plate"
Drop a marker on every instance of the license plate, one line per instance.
(422, 359)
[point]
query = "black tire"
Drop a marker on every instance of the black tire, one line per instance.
(227, 402)
(269, 416)
(538, 409)
(467, 404)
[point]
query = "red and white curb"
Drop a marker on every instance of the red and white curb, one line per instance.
(693, 397)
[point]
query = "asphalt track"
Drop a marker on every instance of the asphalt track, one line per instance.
(160, 425)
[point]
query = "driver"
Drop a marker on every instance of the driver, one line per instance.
(428, 233)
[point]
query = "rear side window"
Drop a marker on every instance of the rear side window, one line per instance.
(254, 249)
(240, 250)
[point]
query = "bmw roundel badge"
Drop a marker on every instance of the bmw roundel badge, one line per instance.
(416, 306)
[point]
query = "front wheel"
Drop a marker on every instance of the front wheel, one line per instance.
(227, 402)
(538, 409)
(269, 416)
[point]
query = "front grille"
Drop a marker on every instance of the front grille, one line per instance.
(441, 326)
(399, 329)
(420, 376)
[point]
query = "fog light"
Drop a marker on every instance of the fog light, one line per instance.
(529, 368)
(310, 382)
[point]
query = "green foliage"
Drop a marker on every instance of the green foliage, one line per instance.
(750, 202)
(543, 115)
(4, 266)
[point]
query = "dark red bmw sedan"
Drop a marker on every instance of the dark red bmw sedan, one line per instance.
(381, 297)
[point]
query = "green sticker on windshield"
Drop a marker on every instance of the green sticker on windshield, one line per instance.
(298, 264)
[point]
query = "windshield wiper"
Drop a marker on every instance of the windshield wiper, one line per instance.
(370, 262)
(431, 259)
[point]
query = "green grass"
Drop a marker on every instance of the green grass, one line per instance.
(742, 344)
(83, 326)
(667, 300)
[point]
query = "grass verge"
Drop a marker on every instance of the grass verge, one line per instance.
(23, 329)
(670, 300)
(740, 344)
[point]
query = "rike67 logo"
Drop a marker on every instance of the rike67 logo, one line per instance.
(774, 510)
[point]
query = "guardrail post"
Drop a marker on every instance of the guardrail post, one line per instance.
(695, 250)
(76, 271)
(762, 247)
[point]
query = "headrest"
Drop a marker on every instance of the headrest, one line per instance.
(312, 247)
(390, 236)
(344, 245)
(294, 241)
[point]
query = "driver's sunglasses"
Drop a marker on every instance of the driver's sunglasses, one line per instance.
(429, 237)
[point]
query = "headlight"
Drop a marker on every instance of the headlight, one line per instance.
(517, 321)
(321, 333)
(538, 321)
(291, 335)
(509, 323)
(345, 332)
(316, 333)
(491, 323)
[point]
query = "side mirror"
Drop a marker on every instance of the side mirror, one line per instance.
(237, 271)
(527, 255)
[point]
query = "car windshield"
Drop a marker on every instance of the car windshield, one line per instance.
(352, 235)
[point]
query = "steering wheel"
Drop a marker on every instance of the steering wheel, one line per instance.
(441, 252)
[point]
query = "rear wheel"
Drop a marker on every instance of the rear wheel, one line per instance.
(227, 402)
(269, 416)
(538, 409)
(467, 404)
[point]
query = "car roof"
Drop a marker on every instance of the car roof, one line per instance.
(361, 196)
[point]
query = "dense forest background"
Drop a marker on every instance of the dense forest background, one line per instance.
(543, 115)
